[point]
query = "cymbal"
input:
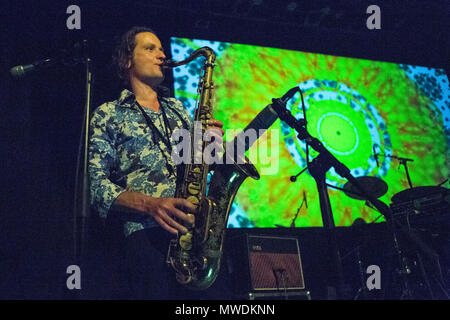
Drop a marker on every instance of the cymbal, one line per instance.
(373, 185)
(418, 192)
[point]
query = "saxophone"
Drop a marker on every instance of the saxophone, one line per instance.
(196, 256)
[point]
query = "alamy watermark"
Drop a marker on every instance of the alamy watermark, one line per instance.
(198, 147)
(74, 20)
(374, 20)
(74, 279)
(374, 280)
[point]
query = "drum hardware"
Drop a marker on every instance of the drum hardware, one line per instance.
(426, 206)
(376, 186)
(430, 192)
(358, 228)
(373, 185)
(318, 168)
(419, 208)
(412, 201)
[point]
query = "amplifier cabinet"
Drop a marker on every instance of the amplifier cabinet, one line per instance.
(265, 263)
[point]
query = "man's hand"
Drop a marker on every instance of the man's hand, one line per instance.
(163, 210)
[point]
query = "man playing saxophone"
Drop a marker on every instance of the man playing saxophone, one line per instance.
(132, 174)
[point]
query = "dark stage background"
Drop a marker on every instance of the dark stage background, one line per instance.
(41, 119)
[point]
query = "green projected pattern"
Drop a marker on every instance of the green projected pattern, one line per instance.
(352, 106)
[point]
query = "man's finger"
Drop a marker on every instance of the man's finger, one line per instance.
(165, 226)
(172, 223)
(216, 133)
(185, 205)
(216, 130)
(183, 216)
(215, 123)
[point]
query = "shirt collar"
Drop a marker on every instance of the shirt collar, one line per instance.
(128, 99)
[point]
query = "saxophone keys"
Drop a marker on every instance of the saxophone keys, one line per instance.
(194, 188)
(192, 217)
(185, 241)
(204, 262)
(201, 262)
(193, 200)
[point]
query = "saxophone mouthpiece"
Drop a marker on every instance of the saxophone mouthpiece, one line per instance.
(168, 64)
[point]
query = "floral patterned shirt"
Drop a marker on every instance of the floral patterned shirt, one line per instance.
(125, 154)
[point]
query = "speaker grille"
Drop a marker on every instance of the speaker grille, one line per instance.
(274, 263)
(275, 271)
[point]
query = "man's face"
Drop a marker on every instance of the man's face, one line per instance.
(148, 56)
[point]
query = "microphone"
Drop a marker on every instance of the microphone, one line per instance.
(260, 124)
(264, 119)
(375, 156)
(288, 95)
(21, 71)
(279, 105)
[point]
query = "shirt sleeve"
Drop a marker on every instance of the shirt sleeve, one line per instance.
(102, 155)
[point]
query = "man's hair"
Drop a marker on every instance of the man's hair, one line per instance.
(124, 51)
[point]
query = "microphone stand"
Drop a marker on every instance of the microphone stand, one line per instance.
(403, 162)
(81, 216)
(81, 197)
(318, 168)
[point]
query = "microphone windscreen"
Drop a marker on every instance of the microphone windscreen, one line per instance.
(20, 71)
(259, 124)
(17, 72)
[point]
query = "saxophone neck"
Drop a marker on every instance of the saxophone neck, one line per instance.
(206, 52)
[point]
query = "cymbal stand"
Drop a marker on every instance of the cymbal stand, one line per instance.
(296, 214)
